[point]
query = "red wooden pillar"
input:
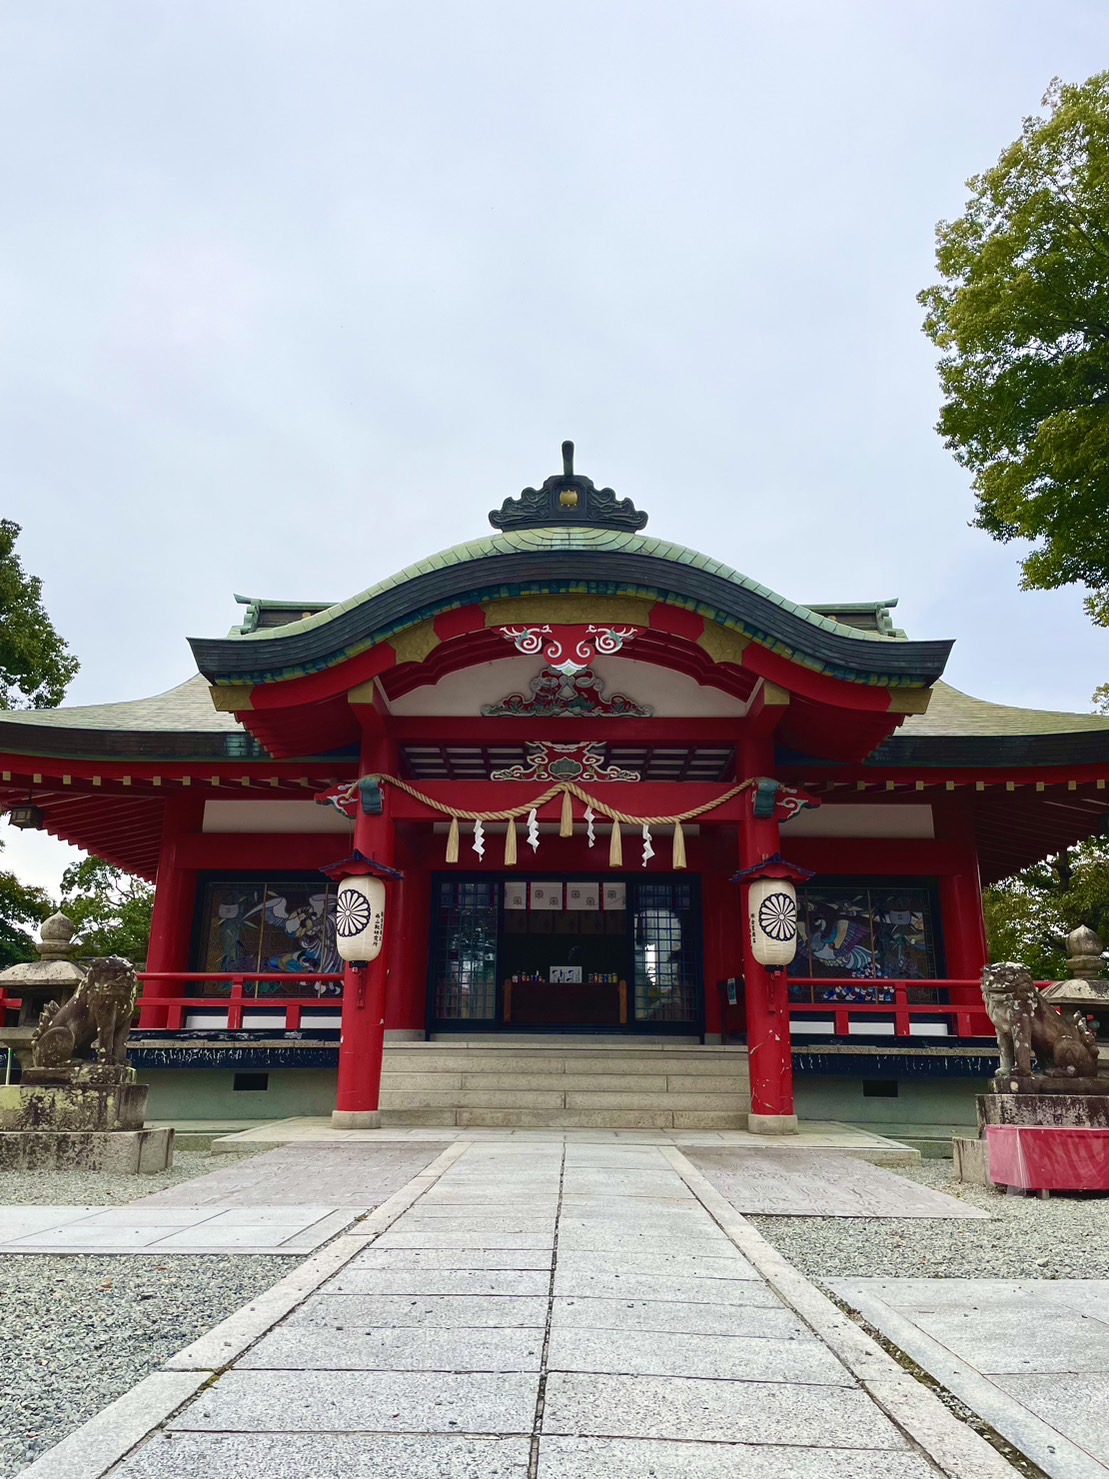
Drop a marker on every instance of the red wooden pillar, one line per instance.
(964, 921)
(769, 1051)
(362, 1040)
(171, 922)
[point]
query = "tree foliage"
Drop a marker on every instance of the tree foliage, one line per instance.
(110, 908)
(22, 909)
(1021, 317)
(1029, 916)
(36, 666)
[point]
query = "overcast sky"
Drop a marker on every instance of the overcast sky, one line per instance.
(291, 294)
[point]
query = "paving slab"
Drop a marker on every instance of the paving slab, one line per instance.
(344, 1312)
(662, 1285)
(726, 1411)
(490, 1238)
(799, 1183)
(293, 1347)
(720, 1263)
(428, 1283)
(1076, 1405)
(733, 1358)
(677, 1317)
(638, 1458)
(327, 1456)
(485, 1259)
(137, 1229)
(1022, 1355)
(363, 1401)
(342, 1176)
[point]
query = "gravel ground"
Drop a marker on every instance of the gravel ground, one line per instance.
(93, 1189)
(76, 1332)
(1065, 1237)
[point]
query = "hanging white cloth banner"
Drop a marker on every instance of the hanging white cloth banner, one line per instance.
(590, 834)
(533, 830)
(479, 839)
(360, 919)
(772, 920)
(648, 850)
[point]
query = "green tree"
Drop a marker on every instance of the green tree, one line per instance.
(1021, 317)
(20, 905)
(110, 908)
(36, 666)
(1029, 916)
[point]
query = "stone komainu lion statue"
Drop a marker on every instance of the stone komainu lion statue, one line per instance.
(99, 1013)
(1028, 1026)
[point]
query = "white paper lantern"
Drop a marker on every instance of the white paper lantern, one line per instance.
(772, 918)
(360, 919)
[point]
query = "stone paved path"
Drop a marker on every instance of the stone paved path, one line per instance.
(537, 1311)
(135, 1229)
(783, 1182)
(1031, 1357)
(336, 1176)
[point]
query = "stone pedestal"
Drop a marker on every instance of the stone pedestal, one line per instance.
(972, 1160)
(1063, 1108)
(1042, 1107)
(50, 1126)
(72, 1108)
(122, 1152)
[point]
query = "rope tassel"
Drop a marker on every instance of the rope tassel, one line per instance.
(510, 844)
(615, 848)
(678, 861)
(452, 841)
(566, 825)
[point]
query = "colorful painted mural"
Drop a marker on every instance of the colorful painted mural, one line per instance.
(285, 926)
(858, 933)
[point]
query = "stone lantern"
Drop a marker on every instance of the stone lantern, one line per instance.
(55, 976)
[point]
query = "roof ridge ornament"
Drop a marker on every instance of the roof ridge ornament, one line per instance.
(568, 498)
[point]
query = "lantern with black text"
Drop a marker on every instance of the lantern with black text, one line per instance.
(360, 919)
(772, 920)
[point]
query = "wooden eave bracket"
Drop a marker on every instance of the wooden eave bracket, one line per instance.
(910, 700)
(231, 698)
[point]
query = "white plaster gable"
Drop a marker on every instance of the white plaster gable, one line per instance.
(672, 695)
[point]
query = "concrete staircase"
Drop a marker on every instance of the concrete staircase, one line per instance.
(579, 1083)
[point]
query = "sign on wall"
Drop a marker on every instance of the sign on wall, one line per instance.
(546, 895)
(583, 896)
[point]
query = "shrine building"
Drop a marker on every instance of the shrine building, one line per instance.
(567, 826)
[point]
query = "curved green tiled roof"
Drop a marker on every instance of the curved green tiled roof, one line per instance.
(569, 558)
(570, 538)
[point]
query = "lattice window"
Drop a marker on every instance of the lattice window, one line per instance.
(667, 951)
(464, 964)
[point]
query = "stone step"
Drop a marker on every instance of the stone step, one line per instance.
(473, 1061)
(660, 1083)
(555, 1099)
(597, 1085)
(566, 1119)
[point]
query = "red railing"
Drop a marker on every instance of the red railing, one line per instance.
(874, 1000)
(168, 1011)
